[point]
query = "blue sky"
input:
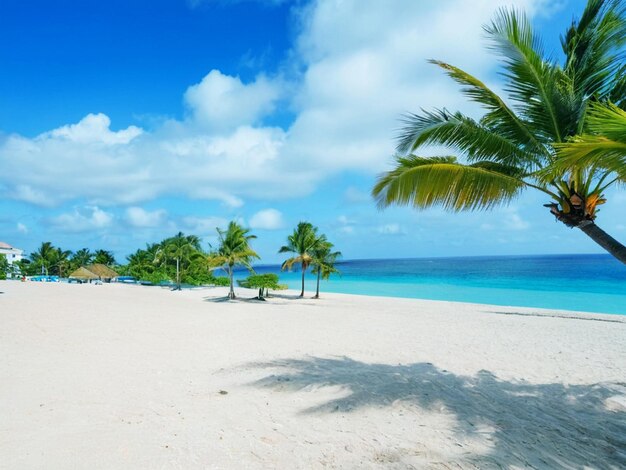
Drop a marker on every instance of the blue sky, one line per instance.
(123, 122)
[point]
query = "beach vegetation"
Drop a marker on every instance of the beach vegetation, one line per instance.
(4, 267)
(521, 141)
(177, 259)
(220, 281)
(49, 260)
(82, 257)
(179, 252)
(301, 242)
(104, 257)
(323, 261)
(263, 282)
(233, 250)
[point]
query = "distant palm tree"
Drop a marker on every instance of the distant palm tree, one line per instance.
(323, 261)
(302, 242)
(180, 248)
(62, 261)
(104, 257)
(512, 148)
(143, 262)
(233, 250)
(82, 257)
(45, 257)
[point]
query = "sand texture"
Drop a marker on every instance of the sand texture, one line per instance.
(129, 377)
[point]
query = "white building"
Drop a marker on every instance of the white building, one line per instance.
(12, 254)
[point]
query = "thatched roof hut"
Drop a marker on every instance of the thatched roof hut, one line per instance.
(94, 272)
(83, 274)
(102, 271)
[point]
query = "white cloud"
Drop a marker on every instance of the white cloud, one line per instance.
(514, 222)
(83, 219)
(391, 229)
(267, 219)
(364, 65)
(22, 228)
(223, 102)
(94, 128)
(139, 217)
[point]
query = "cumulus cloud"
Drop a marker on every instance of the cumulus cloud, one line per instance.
(223, 102)
(93, 128)
(267, 219)
(139, 217)
(82, 219)
(364, 64)
(345, 225)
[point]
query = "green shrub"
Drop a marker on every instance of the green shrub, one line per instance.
(221, 281)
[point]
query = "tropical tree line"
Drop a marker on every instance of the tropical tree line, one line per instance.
(55, 261)
(560, 130)
(180, 259)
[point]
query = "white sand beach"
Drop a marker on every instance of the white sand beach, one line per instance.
(129, 377)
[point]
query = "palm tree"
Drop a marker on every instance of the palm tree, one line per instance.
(302, 242)
(82, 257)
(234, 249)
(323, 261)
(181, 248)
(62, 261)
(142, 263)
(45, 257)
(603, 147)
(512, 148)
(104, 257)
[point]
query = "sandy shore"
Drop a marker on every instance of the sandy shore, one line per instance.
(130, 377)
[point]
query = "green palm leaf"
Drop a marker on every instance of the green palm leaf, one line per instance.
(463, 134)
(499, 116)
(441, 181)
(532, 82)
(604, 148)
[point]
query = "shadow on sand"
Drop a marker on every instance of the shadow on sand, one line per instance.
(275, 299)
(534, 425)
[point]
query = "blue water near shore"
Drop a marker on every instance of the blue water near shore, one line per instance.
(592, 283)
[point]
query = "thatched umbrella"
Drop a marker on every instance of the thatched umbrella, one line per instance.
(83, 274)
(102, 271)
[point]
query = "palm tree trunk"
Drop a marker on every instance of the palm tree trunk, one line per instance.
(603, 239)
(178, 273)
(231, 294)
(317, 292)
(303, 270)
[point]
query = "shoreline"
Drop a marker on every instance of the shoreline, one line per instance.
(122, 376)
(293, 294)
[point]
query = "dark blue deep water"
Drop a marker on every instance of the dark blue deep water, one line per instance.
(592, 283)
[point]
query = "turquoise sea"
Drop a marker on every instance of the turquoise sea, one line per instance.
(592, 283)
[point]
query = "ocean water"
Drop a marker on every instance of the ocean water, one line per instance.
(592, 283)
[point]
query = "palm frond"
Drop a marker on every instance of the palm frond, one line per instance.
(463, 134)
(605, 148)
(533, 82)
(593, 47)
(441, 181)
(498, 113)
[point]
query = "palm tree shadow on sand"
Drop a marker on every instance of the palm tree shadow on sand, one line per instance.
(534, 425)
